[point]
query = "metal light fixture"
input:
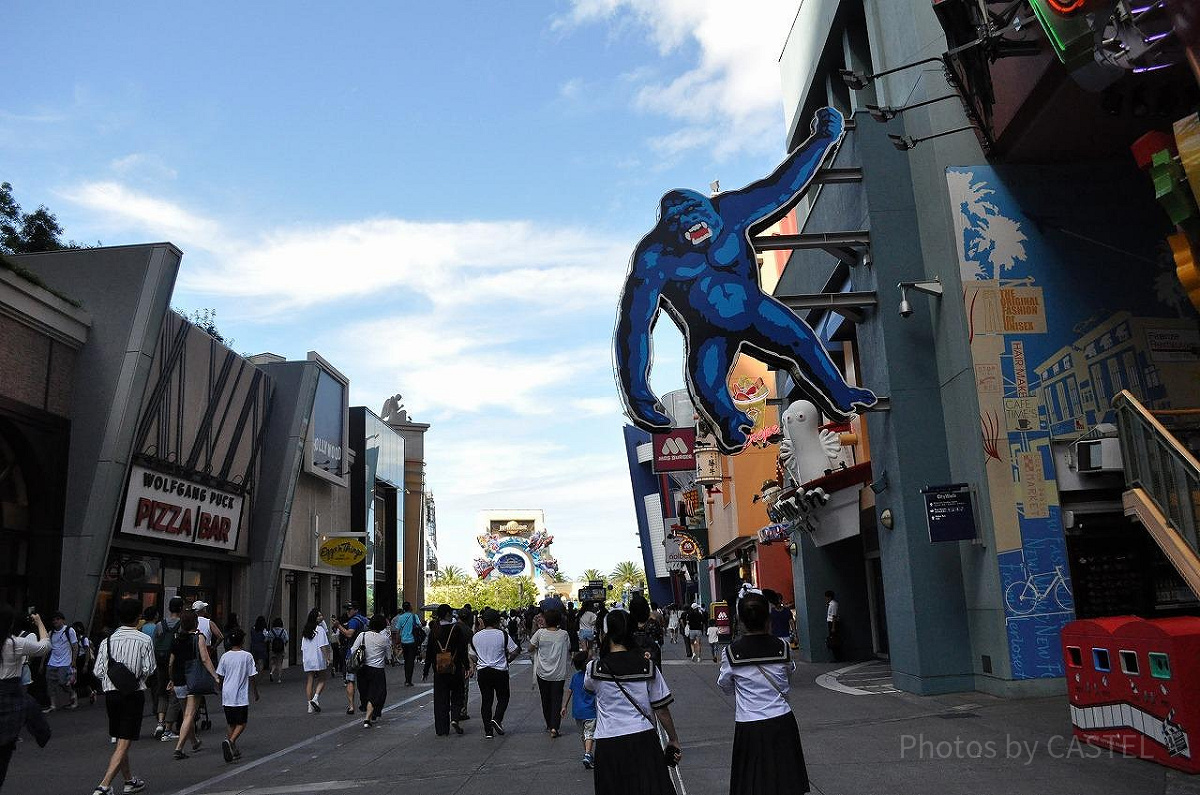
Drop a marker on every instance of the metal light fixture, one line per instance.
(857, 81)
(883, 113)
(929, 287)
(906, 142)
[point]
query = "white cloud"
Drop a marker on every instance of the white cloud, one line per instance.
(143, 164)
(123, 209)
(571, 89)
(730, 100)
(496, 332)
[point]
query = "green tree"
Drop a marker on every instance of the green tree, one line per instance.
(26, 233)
(501, 593)
(450, 575)
(627, 576)
(206, 320)
(595, 574)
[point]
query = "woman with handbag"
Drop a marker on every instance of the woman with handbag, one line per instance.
(17, 706)
(447, 653)
(767, 756)
(317, 655)
(192, 675)
(371, 651)
(630, 695)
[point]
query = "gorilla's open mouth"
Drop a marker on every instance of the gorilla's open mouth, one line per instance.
(698, 233)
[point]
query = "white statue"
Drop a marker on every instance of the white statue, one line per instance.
(393, 409)
(807, 449)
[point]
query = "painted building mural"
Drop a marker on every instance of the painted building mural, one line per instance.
(1070, 298)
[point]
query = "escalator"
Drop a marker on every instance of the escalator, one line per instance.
(1162, 479)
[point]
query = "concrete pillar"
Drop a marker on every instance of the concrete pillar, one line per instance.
(928, 631)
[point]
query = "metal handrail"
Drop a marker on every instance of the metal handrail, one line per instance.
(1159, 464)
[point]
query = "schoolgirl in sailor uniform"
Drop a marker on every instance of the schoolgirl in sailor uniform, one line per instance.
(767, 756)
(630, 692)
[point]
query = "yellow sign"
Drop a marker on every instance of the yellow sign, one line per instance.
(342, 552)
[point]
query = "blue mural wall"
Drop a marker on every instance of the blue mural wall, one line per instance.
(1071, 297)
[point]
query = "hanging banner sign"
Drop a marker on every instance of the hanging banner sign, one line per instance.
(171, 508)
(342, 552)
(674, 451)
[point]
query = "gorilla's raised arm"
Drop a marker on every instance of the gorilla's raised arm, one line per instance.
(779, 191)
(638, 310)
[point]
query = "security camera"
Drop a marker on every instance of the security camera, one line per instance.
(929, 287)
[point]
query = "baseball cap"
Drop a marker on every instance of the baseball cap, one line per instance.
(695, 605)
(349, 606)
(199, 605)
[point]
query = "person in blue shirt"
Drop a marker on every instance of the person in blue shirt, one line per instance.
(406, 623)
(583, 707)
(355, 624)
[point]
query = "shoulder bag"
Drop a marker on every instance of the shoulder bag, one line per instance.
(199, 680)
(358, 658)
(125, 680)
(670, 755)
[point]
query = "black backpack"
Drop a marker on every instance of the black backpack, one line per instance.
(277, 642)
(163, 639)
(645, 641)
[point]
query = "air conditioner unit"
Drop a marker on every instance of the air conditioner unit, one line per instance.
(1098, 455)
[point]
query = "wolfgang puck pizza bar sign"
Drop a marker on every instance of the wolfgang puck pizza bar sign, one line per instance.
(174, 509)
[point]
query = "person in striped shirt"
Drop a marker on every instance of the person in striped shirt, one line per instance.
(135, 651)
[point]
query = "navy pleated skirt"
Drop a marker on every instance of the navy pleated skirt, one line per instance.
(767, 758)
(632, 764)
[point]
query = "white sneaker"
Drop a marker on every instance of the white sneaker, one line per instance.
(310, 707)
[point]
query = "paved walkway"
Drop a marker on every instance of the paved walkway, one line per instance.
(888, 744)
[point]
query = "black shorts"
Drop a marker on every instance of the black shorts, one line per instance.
(237, 716)
(124, 714)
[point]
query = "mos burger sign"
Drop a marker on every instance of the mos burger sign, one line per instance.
(172, 508)
(674, 451)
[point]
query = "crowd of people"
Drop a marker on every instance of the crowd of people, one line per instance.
(600, 664)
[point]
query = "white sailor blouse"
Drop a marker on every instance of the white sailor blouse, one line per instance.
(640, 678)
(757, 669)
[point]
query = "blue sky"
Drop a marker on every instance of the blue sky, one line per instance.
(441, 198)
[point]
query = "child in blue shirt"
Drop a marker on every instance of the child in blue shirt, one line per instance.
(583, 707)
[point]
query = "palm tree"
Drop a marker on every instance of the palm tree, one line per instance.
(595, 574)
(627, 575)
(451, 575)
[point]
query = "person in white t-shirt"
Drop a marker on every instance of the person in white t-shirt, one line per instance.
(491, 650)
(236, 675)
(211, 632)
(316, 654)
